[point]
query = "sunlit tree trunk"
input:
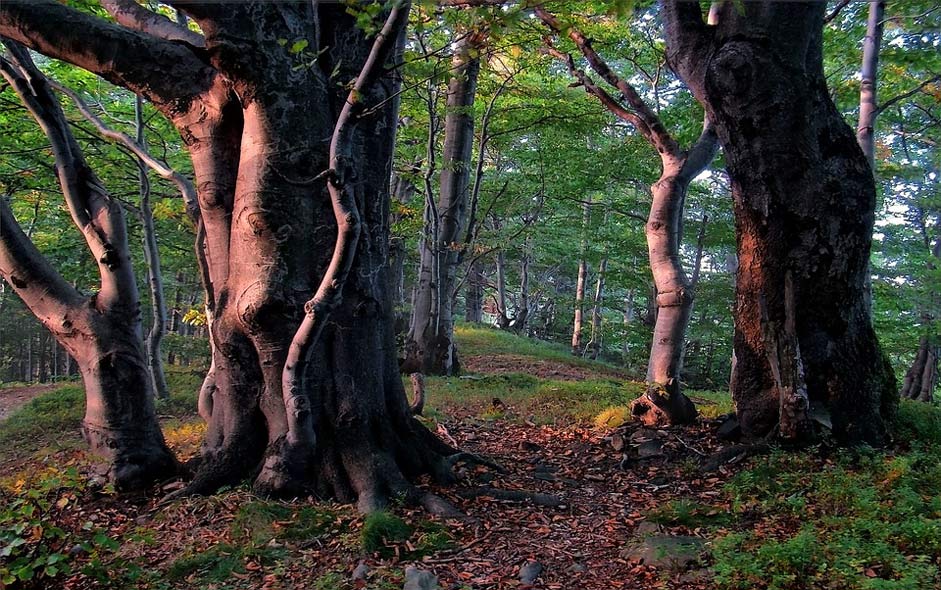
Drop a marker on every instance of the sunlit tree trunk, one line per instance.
(804, 199)
(581, 280)
(101, 332)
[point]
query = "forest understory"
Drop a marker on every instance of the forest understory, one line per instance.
(570, 508)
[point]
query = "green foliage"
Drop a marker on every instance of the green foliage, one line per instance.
(35, 550)
(917, 422)
(684, 512)
(612, 417)
(865, 521)
(382, 528)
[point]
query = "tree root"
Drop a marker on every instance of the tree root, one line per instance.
(513, 496)
(472, 459)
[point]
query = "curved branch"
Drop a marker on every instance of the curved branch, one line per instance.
(134, 16)
(187, 190)
(330, 292)
(169, 74)
(98, 216)
(652, 128)
(29, 273)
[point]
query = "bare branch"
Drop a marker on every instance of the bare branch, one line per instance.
(900, 97)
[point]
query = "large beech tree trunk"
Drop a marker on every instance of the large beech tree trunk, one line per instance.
(430, 344)
(275, 171)
(101, 332)
(804, 198)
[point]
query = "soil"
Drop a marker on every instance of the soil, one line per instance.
(12, 398)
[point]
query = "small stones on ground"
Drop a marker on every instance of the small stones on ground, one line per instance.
(577, 568)
(361, 571)
(417, 579)
(530, 571)
(666, 552)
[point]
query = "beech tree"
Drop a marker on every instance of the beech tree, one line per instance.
(102, 331)
(430, 343)
(289, 115)
(804, 199)
(664, 401)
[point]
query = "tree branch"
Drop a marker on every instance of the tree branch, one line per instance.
(167, 73)
(900, 97)
(29, 273)
(98, 216)
(187, 190)
(134, 16)
(651, 128)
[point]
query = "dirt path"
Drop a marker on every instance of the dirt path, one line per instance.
(12, 398)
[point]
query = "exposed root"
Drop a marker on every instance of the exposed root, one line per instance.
(438, 506)
(513, 496)
(472, 459)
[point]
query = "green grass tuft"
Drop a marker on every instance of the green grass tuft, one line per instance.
(381, 528)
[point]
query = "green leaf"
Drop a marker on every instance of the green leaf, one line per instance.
(299, 46)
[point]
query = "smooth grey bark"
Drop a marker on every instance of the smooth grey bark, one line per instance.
(804, 199)
(580, 281)
(628, 319)
(922, 377)
(430, 347)
(154, 275)
(102, 332)
(594, 343)
(663, 402)
(869, 74)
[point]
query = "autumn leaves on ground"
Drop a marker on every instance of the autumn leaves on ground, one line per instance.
(577, 502)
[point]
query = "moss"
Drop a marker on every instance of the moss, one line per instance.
(917, 421)
(612, 417)
(381, 528)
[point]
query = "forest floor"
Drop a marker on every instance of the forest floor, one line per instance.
(12, 396)
(578, 504)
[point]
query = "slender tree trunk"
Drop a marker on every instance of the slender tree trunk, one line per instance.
(154, 274)
(402, 192)
(628, 320)
(521, 317)
(868, 108)
(474, 294)
(503, 317)
(580, 281)
(804, 199)
(594, 344)
(430, 347)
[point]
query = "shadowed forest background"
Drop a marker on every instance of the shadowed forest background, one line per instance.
(600, 313)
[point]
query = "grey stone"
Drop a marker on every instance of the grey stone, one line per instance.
(530, 571)
(416, 579)
(730, 429)
(577, 568)
(665, 552)
(360, 572)
(649, 449)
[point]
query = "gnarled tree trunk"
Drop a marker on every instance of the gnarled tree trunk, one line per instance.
(804, 201)
(101, 332)
(277, 176)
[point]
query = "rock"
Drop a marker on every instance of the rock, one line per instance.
(577, 568)
(360, 572)
(528, 446)
(77, 551)
(530, 571)
(416, 579)
(665, 552)
(650, 449)
(646, 528)
(730, 429)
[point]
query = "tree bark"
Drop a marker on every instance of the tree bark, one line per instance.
(868, 108)
(663, 402)
(154, 274)
(804, 201)
(255, 125)
(594, 344)
(580, 281)
(430, 347)
(102, 332)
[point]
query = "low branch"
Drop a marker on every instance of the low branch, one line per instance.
(134, 16)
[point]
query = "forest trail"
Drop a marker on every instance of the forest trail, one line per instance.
(11, 398)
